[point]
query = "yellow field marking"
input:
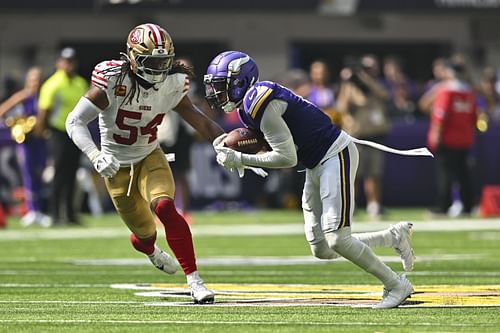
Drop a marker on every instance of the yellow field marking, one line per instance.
(317, 294)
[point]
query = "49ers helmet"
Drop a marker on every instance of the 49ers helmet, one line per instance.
(151, 52)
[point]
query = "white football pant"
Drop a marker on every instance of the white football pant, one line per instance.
(328, 206)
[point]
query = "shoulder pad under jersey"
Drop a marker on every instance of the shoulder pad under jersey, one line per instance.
(106, 71)
(257, 98)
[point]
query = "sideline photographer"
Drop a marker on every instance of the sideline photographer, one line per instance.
(362, 102)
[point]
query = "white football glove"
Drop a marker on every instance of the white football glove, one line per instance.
(218, 140)
(257, 171)
(228, 158)
(231, 159)
(107, 165)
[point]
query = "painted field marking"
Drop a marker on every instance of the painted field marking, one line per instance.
(246, 229)
(240, 323)
(270, 260)
(316, 295)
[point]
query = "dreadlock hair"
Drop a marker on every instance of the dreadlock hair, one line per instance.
(179, 67)
(124, 70)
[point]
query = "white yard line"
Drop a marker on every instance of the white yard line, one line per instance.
(70, 302)
(233, 273)
(51, 285)
(242, 323)
(269, 260)
(245, 229)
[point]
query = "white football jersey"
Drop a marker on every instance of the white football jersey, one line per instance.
(129, 130)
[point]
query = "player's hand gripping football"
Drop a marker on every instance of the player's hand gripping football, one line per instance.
(107, 165)
(231, 159)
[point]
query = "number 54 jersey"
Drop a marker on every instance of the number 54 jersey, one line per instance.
(129, 128)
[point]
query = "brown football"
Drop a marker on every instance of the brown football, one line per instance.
(246, 140)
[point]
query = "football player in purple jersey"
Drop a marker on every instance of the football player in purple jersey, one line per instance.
(298, 131)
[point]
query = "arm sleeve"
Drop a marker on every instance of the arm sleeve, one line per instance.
(277, 134)
(76, 126)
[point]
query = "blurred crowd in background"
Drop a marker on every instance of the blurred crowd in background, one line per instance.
(366, 98)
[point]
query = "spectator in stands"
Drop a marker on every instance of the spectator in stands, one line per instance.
(22, 109)
(297, 80)
(488, 97)
(432, 87)
(320, 93)
(402, 91)
(58, 96)
(361, 101)
(451, 135)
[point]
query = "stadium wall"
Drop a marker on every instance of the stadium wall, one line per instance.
(27, 39)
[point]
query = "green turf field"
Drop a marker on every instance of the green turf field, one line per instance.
(89, 279)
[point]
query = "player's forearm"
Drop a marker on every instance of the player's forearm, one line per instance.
(210, 129)
(272, 159)
(278, 136)
(77, 127)
(78, 132)
(198, 120)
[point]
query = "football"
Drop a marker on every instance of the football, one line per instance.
(246, 140)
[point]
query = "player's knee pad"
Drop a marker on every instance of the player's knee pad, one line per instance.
(339, 240)
(321, 250)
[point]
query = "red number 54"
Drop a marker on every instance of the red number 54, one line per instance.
(150, 129)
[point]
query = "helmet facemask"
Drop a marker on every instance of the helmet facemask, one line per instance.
(226, 85)
(154, 68)
(217, 95)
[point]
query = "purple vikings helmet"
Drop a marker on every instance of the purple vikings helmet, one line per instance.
(228, 78)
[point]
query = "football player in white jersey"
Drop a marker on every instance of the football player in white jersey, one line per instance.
(131, 97)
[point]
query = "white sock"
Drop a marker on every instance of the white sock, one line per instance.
(193, 277)
(360, 254)
(382, 238)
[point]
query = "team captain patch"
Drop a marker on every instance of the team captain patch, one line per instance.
(120, 90)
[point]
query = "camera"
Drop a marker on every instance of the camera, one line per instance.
(356, 67)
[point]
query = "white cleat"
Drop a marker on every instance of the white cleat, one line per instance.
(44, 220)
(163, 261)
(29, 219)
(402, 232)
(397, 295)
(201, 294)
